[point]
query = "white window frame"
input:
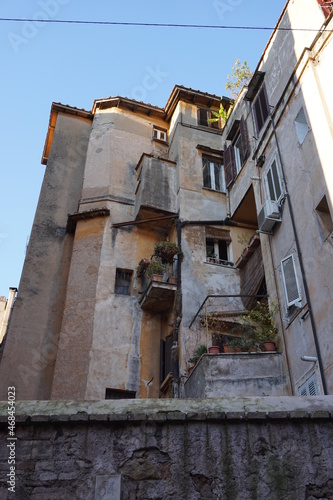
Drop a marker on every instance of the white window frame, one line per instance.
(238, 149)
(277, 178)
(310, 387)
(216, 259)
(211, 163)
(289, 282)
(160, 134)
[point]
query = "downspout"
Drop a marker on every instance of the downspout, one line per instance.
(177, 318)
(298, 248)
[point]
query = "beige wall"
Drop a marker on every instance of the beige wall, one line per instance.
(31, 346)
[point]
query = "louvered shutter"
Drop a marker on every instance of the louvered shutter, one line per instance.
(229, 165)
(309, 388)
(326, 6)
(290, 281)
(244, 137)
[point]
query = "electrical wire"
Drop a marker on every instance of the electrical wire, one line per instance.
(158, 25)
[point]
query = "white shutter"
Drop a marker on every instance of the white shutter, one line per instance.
(290, 282)
(309, 388)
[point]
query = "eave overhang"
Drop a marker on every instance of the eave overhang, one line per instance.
(55, 109)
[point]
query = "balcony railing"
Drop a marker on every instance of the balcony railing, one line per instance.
(219, 262)
(159, 284)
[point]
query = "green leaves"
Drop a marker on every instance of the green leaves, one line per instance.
(241, 75)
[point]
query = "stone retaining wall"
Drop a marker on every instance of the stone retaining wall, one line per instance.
(240, 448)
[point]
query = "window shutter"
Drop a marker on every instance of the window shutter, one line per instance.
(202, 117)
(290, 282)
(229, 165)
(309, 388)
(326, 6)
(244, 137)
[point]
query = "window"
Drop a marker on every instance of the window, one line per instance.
(123, 281)
(165, 357)
(160, 134)
(213, 174)
(302, 127)
(326, 6)
(309, 388)
(290, 282)
(261, 109)
(237, 153)
(204, 115)
(273, 183)
(325, 219)
(218, 246)
(119, 394)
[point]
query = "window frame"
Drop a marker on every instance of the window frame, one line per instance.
(205, 122)
(215, 258)
(259, 103)
(212, 162)
(302, 126)
(157, 131)
(118, 286)
(268, 172)
(291, 281)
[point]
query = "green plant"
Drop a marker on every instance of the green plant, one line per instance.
(155, 267)
(221, 115)
(166, 251)
(255, 329)
(258, 321)
(240, 76)
(243, 239)
(142, 266)
(197, 353)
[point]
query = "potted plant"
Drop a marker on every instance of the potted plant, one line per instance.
(237, 344)
(166, 251)
(258, 329)
(197, 353)
(214, 349)
(142, 266)
(212, 257)
(155, 270)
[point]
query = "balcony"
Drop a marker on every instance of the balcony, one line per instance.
(238, 375)
(159, 286)
(151, 202)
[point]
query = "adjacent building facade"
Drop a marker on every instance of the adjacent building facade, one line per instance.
(246, 206)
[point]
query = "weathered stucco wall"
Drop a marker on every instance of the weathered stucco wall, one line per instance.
(223, 375)
(31, 345)
(251, 448)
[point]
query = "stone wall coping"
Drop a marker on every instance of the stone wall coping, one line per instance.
(257, 409)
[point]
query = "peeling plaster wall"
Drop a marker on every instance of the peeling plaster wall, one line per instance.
(251, 448)
(32, 342)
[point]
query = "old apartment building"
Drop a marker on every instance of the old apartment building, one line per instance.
(247, 207)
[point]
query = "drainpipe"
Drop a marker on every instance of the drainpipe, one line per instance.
(298, 248)
(177, 318)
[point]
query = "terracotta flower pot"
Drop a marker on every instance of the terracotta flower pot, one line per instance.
(233, 349)
(157, 277)
(269, 345)
(214, 349)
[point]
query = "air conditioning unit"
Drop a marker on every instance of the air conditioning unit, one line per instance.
(268, 216)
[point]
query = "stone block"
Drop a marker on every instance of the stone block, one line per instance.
(108, 487)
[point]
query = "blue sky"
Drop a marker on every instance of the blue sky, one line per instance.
(75, 64)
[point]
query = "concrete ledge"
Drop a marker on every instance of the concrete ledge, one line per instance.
(257, 409)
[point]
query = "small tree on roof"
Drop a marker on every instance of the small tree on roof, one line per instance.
(241, 75)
